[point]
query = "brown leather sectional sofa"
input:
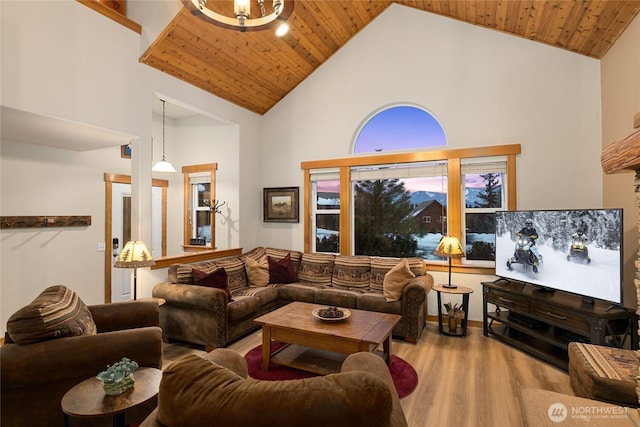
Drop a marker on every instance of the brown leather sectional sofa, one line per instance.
(205, 316)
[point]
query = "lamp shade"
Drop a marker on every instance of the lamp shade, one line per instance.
(134, 254)
(163, 166)
(449, 247)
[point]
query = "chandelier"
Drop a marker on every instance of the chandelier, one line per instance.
(243, 19)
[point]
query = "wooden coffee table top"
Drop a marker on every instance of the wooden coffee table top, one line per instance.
(88, 398)
(362, 325)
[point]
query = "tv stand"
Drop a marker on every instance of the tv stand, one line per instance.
(543, 324)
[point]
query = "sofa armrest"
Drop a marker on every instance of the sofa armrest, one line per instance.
(125, 315)
(425, 281)
(77, 357)
(369, 362)
(229, 359)
(193, 296)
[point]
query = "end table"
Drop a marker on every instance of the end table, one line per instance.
(460, 290)
(88, 399)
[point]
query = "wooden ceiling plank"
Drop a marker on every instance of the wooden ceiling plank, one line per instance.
(572, 22)
(501, 15)
(222, 76)
(491, 14)
(206, 65)
(535, 18)
(208, 51)
(253, 48)
(606, 18)
(586, 25)
(309, 13)
(481, 13)
(337, 20)
(471, 12)
(224, 84)
(617, 26)
(206, 85)
(524, 13)
(554, 30)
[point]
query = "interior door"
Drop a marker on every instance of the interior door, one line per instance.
(121, 280)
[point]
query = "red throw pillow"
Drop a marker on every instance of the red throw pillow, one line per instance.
(215, 279)
(282, 271)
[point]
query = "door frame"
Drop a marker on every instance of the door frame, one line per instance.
(109, 180)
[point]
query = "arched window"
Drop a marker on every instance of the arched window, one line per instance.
(399, 127)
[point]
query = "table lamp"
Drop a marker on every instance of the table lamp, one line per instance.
(134, 254)
(449, 247)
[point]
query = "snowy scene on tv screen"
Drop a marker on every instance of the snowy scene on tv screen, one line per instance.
(577, 251)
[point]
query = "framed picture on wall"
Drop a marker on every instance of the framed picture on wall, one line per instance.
(281, 204)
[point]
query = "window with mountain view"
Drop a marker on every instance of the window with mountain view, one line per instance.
(326, 196)
(399, 210)
(483, 195)
(402, 203)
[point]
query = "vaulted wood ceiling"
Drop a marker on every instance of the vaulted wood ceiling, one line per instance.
(255, 69)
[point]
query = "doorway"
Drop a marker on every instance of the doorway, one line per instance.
(117, 283)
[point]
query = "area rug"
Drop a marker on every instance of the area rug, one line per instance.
(404, 376)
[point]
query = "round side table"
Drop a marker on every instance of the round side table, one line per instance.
(88, 399)
(459, 290)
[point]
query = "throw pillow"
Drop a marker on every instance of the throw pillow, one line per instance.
(396, 279)
(257, 271)
(281, 271)
(215, 279)
(57, 312)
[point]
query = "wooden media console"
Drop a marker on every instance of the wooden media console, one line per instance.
(543, 323)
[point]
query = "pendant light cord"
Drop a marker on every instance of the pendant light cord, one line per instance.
(163, 107)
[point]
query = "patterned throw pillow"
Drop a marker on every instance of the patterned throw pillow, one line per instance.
(57, 312)
(216, 279)
(257, 271)
(281, 271)
(396, 279)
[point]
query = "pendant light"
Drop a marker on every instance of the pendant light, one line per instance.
(163, 165)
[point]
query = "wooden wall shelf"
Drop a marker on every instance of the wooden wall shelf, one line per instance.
(48, 221)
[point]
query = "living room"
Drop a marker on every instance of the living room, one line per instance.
(63, 60)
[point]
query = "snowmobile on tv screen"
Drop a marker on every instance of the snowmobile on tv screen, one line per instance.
(525, 254)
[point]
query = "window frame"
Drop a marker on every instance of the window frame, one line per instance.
(189, 209)
(497, 161)
(455, 209)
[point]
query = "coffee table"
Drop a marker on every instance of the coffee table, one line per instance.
(88, 399)
(318, 345)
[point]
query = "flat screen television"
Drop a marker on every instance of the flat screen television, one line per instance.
(578, 251)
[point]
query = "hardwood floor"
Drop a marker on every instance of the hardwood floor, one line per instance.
(472, 381)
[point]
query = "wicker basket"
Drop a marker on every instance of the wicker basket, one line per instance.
(114, 389)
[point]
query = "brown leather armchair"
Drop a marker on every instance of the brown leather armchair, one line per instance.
(34, 377)
(215, 390)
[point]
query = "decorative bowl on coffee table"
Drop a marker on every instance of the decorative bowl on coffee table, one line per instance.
(317, 314)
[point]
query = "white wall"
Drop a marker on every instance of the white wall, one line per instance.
(61, 59)
(192, 141)
(620, 101)
(485, 87)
